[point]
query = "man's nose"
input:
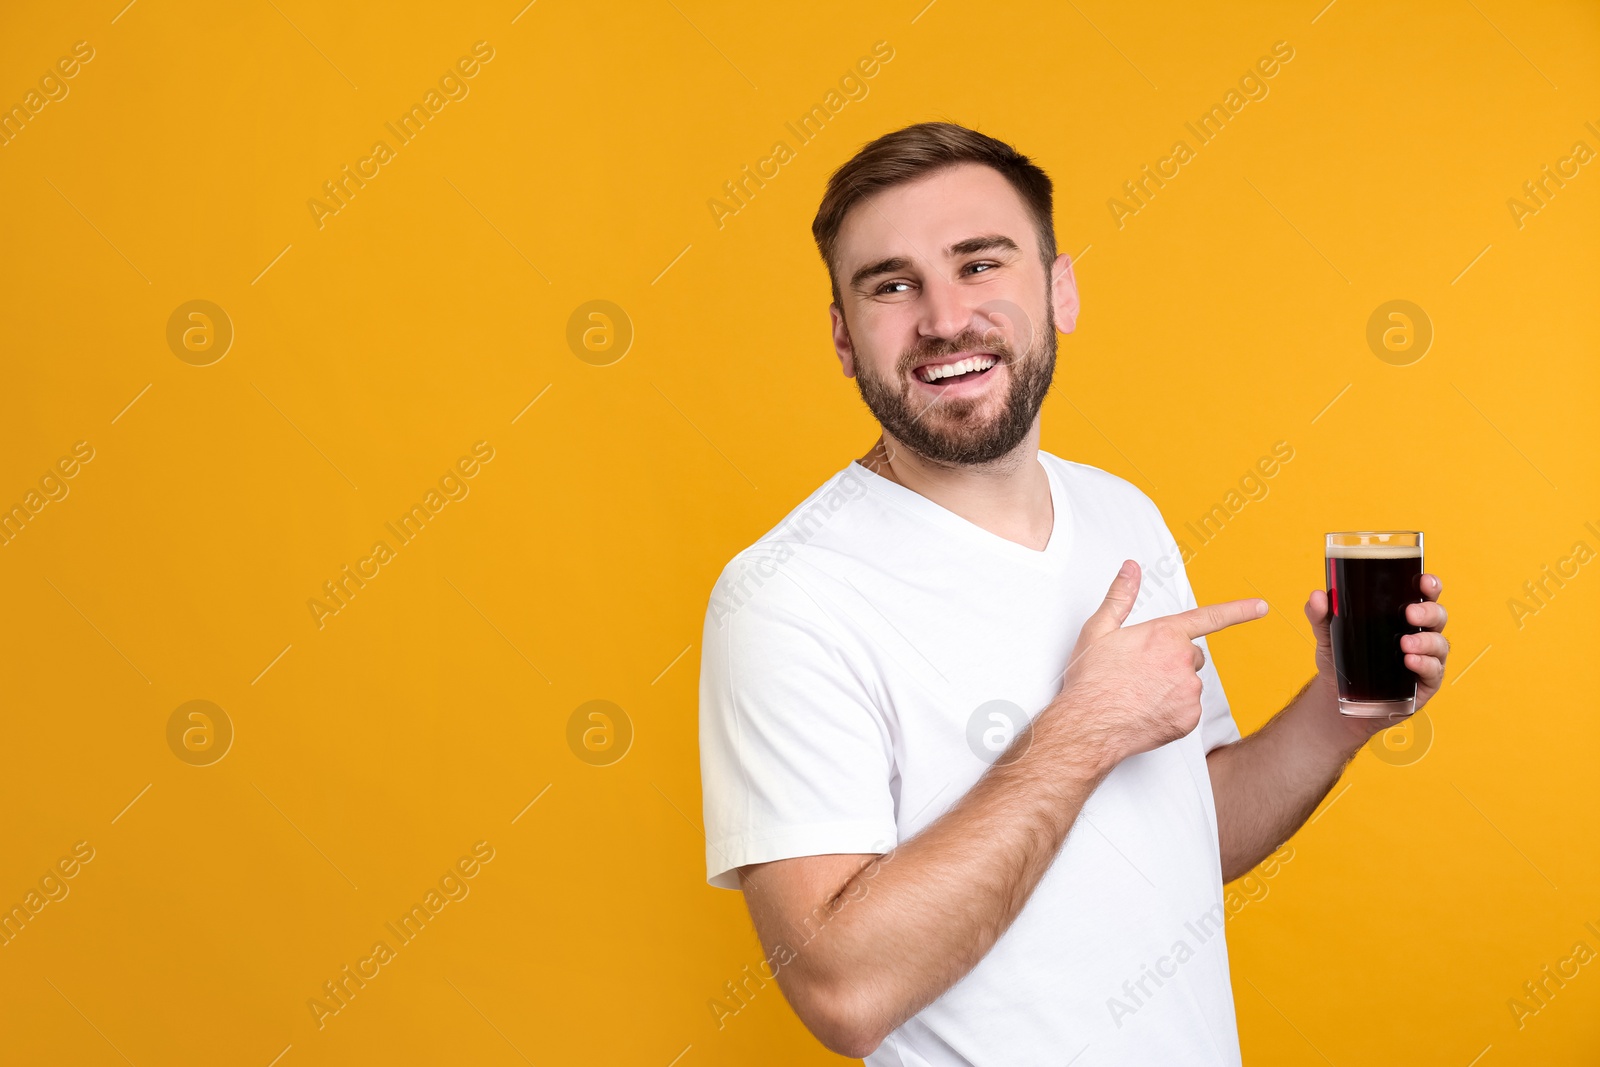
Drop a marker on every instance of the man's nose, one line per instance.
(945, 310)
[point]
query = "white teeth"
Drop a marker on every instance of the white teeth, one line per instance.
(971, 363)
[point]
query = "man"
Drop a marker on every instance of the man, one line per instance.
(915, 687)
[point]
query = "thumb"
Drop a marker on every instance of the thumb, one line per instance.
(1320, 615)
(1113, 611)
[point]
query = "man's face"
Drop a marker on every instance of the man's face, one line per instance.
(935, 272)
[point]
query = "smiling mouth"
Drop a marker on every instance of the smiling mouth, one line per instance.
(956, 371)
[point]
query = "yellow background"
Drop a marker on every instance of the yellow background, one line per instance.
(427, 314)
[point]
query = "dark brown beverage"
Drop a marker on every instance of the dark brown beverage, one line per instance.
(1372, 576)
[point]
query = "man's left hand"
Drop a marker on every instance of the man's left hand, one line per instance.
(1425, 652)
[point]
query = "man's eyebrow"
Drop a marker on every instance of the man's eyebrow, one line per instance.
(985, 243)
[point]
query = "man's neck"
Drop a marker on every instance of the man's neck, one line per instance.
(1009, 497)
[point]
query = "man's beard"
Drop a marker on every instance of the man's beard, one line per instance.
(946, 430)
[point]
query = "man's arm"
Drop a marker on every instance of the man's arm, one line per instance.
(862, 943)
(1267, 785)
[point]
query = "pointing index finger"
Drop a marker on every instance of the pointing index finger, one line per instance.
(1209, 618)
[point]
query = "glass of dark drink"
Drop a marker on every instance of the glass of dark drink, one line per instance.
(1372, 576)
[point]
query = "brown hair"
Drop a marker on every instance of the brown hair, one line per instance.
(914, 152)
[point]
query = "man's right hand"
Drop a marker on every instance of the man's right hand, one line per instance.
(900, 941)
(1129, 689)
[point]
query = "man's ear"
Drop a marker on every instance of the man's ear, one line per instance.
(841, 341)
(1064, 294)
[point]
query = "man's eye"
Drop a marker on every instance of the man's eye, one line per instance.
(886, 289)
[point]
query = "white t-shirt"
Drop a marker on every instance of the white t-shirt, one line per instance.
(861, 662)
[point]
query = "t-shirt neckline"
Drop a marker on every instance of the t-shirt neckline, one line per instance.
(928, 510)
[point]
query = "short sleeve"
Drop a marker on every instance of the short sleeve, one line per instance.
(1166, 580)
(1217, 727)
(795, 756)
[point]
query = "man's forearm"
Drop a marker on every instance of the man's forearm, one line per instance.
(928, 917)
(1267, 785)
